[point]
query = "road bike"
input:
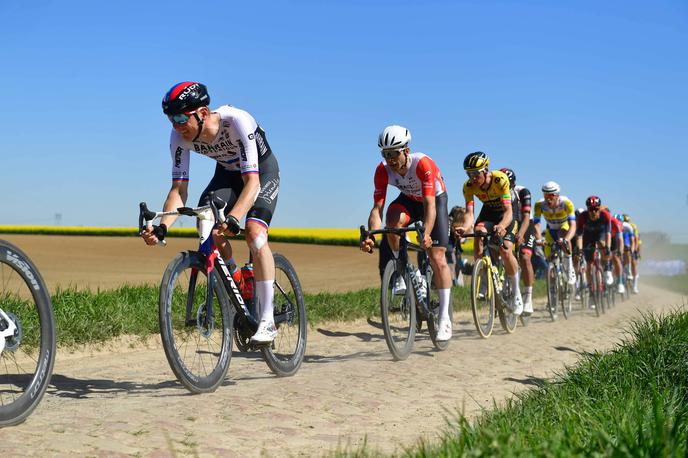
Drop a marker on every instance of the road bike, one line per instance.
(404, 309)
(27, 336)
(491, 294)
(582, 289)
(559, 292)
(201, 309)
(601, 293)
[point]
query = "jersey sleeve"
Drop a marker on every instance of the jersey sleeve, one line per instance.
(381, 180)
(537, 212)
(180, 159)
(570, 211)
(468, 194)
(525, 197)
(244, 128)
(426, 171)
(580, 223)
(503, 189)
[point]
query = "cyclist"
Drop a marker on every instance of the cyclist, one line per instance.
(496, 215)
(616, 247)
(560, 215)
(246, 177)
(629, 242)
(457, 216)
(423, 197)
(635, 254)
(525, 237)
(594, 229)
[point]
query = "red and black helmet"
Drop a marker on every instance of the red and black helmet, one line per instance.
(510, 175)
(593, 202)
(185, 97)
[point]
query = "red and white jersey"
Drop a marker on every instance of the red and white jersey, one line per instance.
(423, 178)
(240, 145)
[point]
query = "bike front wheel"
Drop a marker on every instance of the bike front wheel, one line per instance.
(285, 355)
(27, 336)
(482, 298)
(398, 311)
(552, 290)
(196, 330)
(564, 295)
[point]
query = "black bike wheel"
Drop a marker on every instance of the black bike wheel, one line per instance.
(398, 312)
(564, 295)
(482, 302)
(551, 280)
(506, 317)
(434, 321)
(285, 355)
(28, 353)
(197, 341)
(596, 295)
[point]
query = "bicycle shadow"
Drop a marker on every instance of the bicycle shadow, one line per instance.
(68, 387)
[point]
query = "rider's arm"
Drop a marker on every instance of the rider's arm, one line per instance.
(468, 219)
(375, 218)
(429, 214)
(247, 197)
(571, 216)
(176, 198)
(508, 215)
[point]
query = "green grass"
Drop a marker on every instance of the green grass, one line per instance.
(632, 401)
(677, 283)
(84, 316)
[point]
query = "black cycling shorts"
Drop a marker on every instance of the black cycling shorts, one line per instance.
(528, 239)
(229, 184)
(489, 218)
(414, 208)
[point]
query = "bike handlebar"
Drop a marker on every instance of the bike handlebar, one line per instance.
(417, 226)
(216, 206)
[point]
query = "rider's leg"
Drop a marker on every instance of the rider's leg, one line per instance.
(442, 278)
(511, 268)
(528, 279)
(397, 216)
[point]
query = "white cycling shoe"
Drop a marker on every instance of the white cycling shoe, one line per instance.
(399, 288)
(572, 276)
(266, 332)
(516, 305)
(608, 277)
(445, 329)
(528, 308)
(621, 289)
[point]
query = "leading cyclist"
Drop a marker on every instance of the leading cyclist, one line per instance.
(423, 197)
(246, 177)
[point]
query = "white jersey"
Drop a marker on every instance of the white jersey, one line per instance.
(239, 145)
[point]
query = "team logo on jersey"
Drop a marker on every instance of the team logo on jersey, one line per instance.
(178, 157)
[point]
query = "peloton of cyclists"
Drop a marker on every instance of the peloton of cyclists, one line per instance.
(246, 177)
(423, 197)
(496, 215)
(525, 237)
(560, 215)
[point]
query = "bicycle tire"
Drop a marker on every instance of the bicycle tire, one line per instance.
(564, 295)
(434, 318)
(551, 282)
(506, 317)
(398, 319)
(596, 288)
(25, 300)
(483, 309)
(184, 322)
(285, 355)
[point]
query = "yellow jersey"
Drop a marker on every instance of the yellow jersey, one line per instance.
(558, 216)
(495, 198)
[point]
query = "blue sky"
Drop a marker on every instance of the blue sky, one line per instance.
(590, 94)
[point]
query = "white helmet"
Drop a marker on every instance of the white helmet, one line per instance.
(551, 187)
(394, 137)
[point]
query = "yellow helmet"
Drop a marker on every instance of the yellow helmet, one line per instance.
(476, 161)
(626, 218)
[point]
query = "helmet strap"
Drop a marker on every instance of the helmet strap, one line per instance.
(200, 126)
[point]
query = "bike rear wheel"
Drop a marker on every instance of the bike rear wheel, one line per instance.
(285, 355)
(196, 333)
(482, 298)
(552, 290)
(506, 317)
(398, 312)
(27, 341)
(564, 295)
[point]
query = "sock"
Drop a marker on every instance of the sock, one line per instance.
(513, 282)
(266, 293)
(444, 303)
(529, 293)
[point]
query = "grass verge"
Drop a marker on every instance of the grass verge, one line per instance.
(632, 401)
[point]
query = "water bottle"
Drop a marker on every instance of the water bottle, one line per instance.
(247, 274)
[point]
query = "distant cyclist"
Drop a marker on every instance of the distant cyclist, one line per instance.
(617, 250)
(635, 254)
(560, 215)
(629, 242)
(496, 215)
(525, 237)
(423, 198)
(594, 230)
(246, 177)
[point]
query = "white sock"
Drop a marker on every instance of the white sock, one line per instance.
(513, 282)
(529, 293)
(266, 293)
(444, 303)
